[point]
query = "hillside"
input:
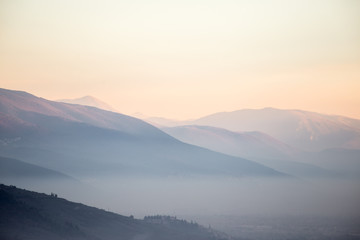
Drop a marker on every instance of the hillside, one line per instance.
(244, 144)
(16, 169)
(304, 130)
(25, 108)
(30, 215)
(81, 140)
(256, 146)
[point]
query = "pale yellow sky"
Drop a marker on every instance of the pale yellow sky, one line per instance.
(185, 59)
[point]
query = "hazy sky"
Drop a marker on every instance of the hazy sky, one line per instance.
(185, 59)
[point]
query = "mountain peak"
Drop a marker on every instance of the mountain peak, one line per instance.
(306, 130)
(89, 101)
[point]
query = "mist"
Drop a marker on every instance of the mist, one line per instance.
(205, 195)
(232, 196)
(252, 208)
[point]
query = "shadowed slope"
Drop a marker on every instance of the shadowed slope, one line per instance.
(81, 140)
(40, 216)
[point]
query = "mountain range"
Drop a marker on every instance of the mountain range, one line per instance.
(243, 162)
(308, 131)
(80, 140)
(44, 133)
(256, 146)
(304, 130)
(245, 144)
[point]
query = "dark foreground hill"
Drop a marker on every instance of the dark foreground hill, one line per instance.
(30, 215)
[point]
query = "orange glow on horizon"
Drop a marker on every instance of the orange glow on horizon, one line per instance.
(186, 59)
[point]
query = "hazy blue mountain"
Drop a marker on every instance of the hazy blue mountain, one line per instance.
(89, 101)
(34, 177)
(304, 130)
(256, 146)
(336, 159)
(245, 144)
(81, 140)
(15, 169)
(30, 215)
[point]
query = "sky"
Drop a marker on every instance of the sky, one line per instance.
(186, 59)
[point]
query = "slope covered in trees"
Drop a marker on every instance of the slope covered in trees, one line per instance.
(30, 215)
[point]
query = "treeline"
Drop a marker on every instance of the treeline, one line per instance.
(166, 219)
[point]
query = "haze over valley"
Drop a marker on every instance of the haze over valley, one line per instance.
(180, 120)
(126, 165)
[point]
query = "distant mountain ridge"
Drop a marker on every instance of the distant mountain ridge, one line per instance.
(312, 135)
(305, 130)
(245, 144)
(76, 139)
(20, 105)
(301, 129)
(256, 146)
(89, 101)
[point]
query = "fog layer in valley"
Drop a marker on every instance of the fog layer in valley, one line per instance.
(124, 165)
(209, 195)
